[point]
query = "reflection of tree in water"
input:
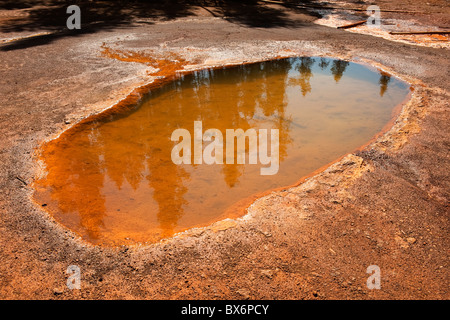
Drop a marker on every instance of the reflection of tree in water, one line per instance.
(75, 182)
(304, 80)
(384, 82)
(166, 178)
(222, 100)
(338, 68)
(250, 96)
(273, 98)
(324, 63)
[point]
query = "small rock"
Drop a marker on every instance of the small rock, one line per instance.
(244, 293)
(411, 240)
(380, 244)
(267, 273)
(58, 291)
(401, 242)
(267, 234)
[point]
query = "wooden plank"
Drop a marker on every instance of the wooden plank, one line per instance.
(419, 32)
(351, 25)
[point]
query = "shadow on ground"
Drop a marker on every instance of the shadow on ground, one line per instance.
(48, 17)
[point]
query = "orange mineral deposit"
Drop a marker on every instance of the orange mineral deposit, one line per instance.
(111, 178)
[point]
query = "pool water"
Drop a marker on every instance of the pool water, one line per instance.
(113, 181)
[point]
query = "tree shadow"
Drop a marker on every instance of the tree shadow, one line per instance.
(254, 13)
(48, 17)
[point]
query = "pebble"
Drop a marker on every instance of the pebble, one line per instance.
(267, 234)
(58, 291)
(268, 273)
(244, 293)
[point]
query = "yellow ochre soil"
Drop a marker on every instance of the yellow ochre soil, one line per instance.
(385, 204)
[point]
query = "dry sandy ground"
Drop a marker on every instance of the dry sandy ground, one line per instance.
(384, 205)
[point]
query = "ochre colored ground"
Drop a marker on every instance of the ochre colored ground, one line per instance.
(384, 205)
